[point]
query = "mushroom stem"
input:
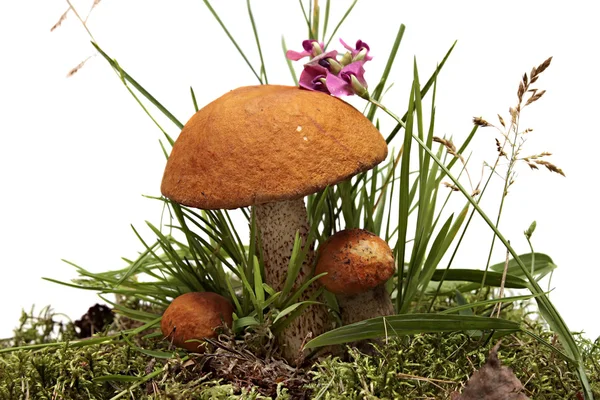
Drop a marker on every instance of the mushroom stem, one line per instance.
(370, 304)
(277, 225)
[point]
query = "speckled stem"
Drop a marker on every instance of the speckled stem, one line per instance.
(371, 304)
(277, 224)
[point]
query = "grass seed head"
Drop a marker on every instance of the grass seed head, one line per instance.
(77, 68)
(551, 167)
(481, 122)
(60, 20)
(451, 186)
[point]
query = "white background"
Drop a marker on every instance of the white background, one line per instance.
(78, 153)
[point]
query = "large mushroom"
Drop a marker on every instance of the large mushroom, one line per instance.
(358, 263)
(269, 146)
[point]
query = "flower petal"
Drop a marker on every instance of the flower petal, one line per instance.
(350, 49)
(360, 45)
(295, 56)
(337, 86)
(356, 68)
(311, 78)
(322, 56)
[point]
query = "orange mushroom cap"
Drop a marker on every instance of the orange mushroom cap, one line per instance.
(195, 315)
(268, 143)
(355, 261)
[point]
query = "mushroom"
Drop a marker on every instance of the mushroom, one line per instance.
(269, 146)
(195, 315)
(357, 263)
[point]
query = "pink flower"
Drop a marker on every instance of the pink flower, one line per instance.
(360, 52)
(312, 48)
(325, 73)
(313, 77)
(326, 60)
(316, 71)
(350, 80)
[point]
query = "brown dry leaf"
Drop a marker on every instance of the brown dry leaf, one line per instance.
(492, 382)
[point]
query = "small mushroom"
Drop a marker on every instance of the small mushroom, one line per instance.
(195, 315)
(268, 147)
(358, 263)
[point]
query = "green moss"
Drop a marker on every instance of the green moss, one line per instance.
(420, 366)
(434, 365)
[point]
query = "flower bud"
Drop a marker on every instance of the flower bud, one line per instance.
(334, 66)
(346, 59)
(530, 230)
(360, 55)
(316, 48)
(358, 88)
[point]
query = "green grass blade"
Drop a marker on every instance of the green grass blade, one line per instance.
(238, 307)
(259, 291)
(306, 19)
(241, 323)
(326, 20)
(252, 297)
(490, 302)
(298, 293)
(138, 263)
(293, 267)
(252, 253)
(238, 48)
(553, 348)
(138, 87)
(438, 248)
(377, 93)
(263, 72)
(424, 91)
(288, 61)
(429, 267)
(409, 324)
(475, 275)
(74, 285)
(290, 309)
(194, 98)
(340, 23)
(316, 16)
(283, 323)
(404, 203)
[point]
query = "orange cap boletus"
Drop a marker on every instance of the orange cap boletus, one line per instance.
(357, 263)
(269, 146)
(195, 315)
(267, 143)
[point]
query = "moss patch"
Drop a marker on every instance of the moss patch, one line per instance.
(420, 366)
